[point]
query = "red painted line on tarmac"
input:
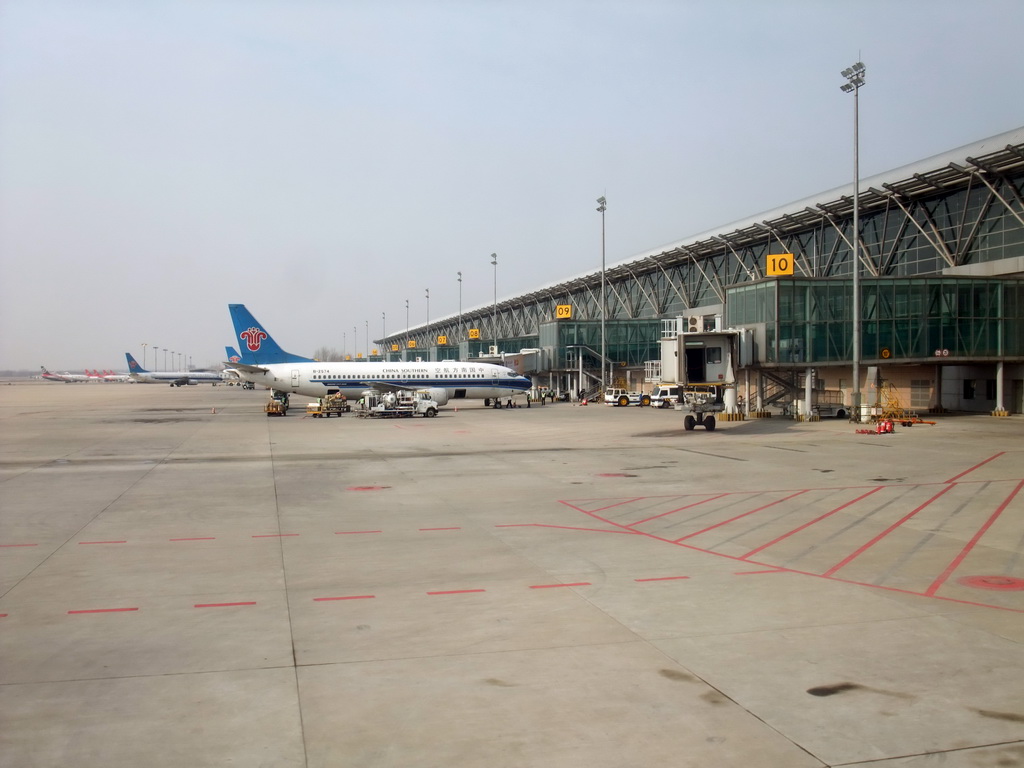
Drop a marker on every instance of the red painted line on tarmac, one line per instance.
(345, 597)
(19, 545)
(663, 578)
(105, 610)
(974, 540)
(739, 517)
(456, 592)
(103, 542)
(680, 509)
(347, 533)
(980, 464)
(273, 535)
(4, 615)
(552, 586)
(858, 552)
(196, 538)
(841, 507)
(220, 605)
(441, 529)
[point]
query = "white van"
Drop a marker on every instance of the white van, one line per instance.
(665, 395)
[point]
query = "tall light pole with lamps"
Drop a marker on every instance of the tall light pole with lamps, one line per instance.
(406, 357)
(602, 206)
(460, 307)
(855, 78)
(494, 263)
(144, 345)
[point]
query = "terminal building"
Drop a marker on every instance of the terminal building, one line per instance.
(941, 246)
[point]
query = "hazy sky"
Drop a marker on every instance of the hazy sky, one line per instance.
(323, 161)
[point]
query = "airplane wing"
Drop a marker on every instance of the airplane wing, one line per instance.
(247, 368)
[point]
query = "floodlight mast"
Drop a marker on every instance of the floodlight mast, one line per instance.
(855, 78)
(602, 206)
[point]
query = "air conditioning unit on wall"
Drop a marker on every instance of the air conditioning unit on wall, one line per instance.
(694, 324)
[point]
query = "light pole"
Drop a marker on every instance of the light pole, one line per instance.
(406, 355)
(144, 345)
(460, 308)
(384, 333)
(602, 205)
(494, 263)
(855, 78)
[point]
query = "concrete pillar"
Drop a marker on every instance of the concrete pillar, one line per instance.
(1000, 407)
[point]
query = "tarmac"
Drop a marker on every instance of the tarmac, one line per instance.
(187, 582)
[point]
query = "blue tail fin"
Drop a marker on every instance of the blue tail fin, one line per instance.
(232, 355)
(133, 364)
(258, 346)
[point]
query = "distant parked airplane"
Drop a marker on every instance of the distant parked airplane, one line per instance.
(67, 378)
(173, 378)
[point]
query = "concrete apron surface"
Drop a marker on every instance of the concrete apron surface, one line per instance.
(187, 582)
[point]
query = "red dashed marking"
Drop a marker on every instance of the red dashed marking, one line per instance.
(456, 592)
(441, 529)
(104, 610)
(221, 605)
(1003, 583)
(349, 533)
(552, 586)
(4, 615)
(196, 538)
(19, 545)
(344, 597)
(103, 542)
(273, 535)
(663, 578)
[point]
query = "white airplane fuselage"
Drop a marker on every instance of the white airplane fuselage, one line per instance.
(458, 380)
(172, 377)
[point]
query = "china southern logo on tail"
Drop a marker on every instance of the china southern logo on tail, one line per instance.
(253, 338)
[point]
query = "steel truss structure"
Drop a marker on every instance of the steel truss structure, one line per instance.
(960, 213)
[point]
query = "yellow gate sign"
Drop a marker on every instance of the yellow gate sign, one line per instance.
(411, 344)
(474, 333)
(442, 340)
(779, 264)
(563, 312)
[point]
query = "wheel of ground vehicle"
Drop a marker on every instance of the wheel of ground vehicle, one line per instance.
(645, 400)
(431, 413)
(709, 423)
(623, 400)
(689, 423)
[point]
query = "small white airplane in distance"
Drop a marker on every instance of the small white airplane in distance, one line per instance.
(67, 378)
(109, 376)
(267, 364)
(173, 378)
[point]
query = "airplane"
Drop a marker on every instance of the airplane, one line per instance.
(67, 378)
(111, 376)
(173, 378)
(442, 381)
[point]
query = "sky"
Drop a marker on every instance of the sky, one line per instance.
(324, 161)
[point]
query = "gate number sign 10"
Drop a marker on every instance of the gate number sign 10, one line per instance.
(780, 264)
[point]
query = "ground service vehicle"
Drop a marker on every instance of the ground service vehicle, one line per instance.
(396, 405)
(277, 405)
(665, 395)
(332, 405)
(624, 397)
(703, 401)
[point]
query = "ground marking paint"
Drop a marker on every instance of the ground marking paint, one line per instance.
(552, 586)
(344, 597)
(104, 610)
(857, 553)
(740, 517)
(974, 540)
(976, 466)
(20, 545)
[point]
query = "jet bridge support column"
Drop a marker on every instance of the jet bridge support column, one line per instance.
(1000, 407)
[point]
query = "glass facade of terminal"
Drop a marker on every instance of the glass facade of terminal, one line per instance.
(913, 319)
(628, 343)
